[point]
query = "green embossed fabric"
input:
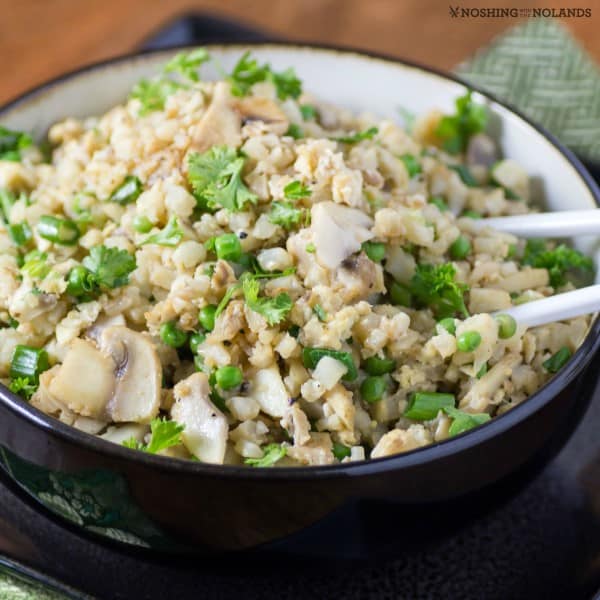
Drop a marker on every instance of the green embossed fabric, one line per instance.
(540, 68)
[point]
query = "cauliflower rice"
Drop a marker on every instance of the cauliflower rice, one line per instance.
(234, 272)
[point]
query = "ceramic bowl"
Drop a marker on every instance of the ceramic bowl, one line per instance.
(145, 501)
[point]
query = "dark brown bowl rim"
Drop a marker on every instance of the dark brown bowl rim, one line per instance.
(425, 454)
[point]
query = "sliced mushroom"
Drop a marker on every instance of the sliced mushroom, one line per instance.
(482, 151)
(47, 403)
(221, 123)
(101, 323)
(255, 108)
(85, 381)
(205, 426)
(338, 232)
(138, 374)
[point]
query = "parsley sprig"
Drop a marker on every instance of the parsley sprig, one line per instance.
(272, 454)
(12, 142)
(435, 287)
(153, 93)
(164, 434)
(274, 310)
(216, 179)
(455, 130)
(558, 262)
(171, 235)
(287, 215)
(368, 134)
(248, 72)
(102, 270)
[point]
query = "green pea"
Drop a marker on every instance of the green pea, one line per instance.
(507, 326)
(373, 388)
(228, 247)
(399, 295)
(379, 366)
(468, 341)
(374, 250)
(206, 317)
(228, 377)
(195, 340)
(460, 248)
(142, 224)
(448, 324)
(171, 335)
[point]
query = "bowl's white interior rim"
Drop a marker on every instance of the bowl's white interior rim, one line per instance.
(358, 82)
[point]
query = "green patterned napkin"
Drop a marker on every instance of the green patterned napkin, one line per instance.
(539, 68)
(536, 66)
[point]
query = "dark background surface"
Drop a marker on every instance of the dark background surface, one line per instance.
(544, 543)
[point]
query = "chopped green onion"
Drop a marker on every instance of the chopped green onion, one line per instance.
(465, 175)
(340, 451)
(35, 264)
(128, 191)
(379, 366)
(471, 214)
(507, 326)
(320, 312)
(468, 341)
(20, 234)
(28, 362)
(373, 388)
(59, 231)
(80, 282)
(310, 248)
(171, 235)
(424, 406)
(482, 371)
(463, 421)
(557, 361)
(311, 357)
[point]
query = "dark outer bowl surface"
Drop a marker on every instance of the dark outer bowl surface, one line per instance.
(146, 501)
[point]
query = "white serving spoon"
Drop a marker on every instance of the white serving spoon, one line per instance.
(566, 223)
